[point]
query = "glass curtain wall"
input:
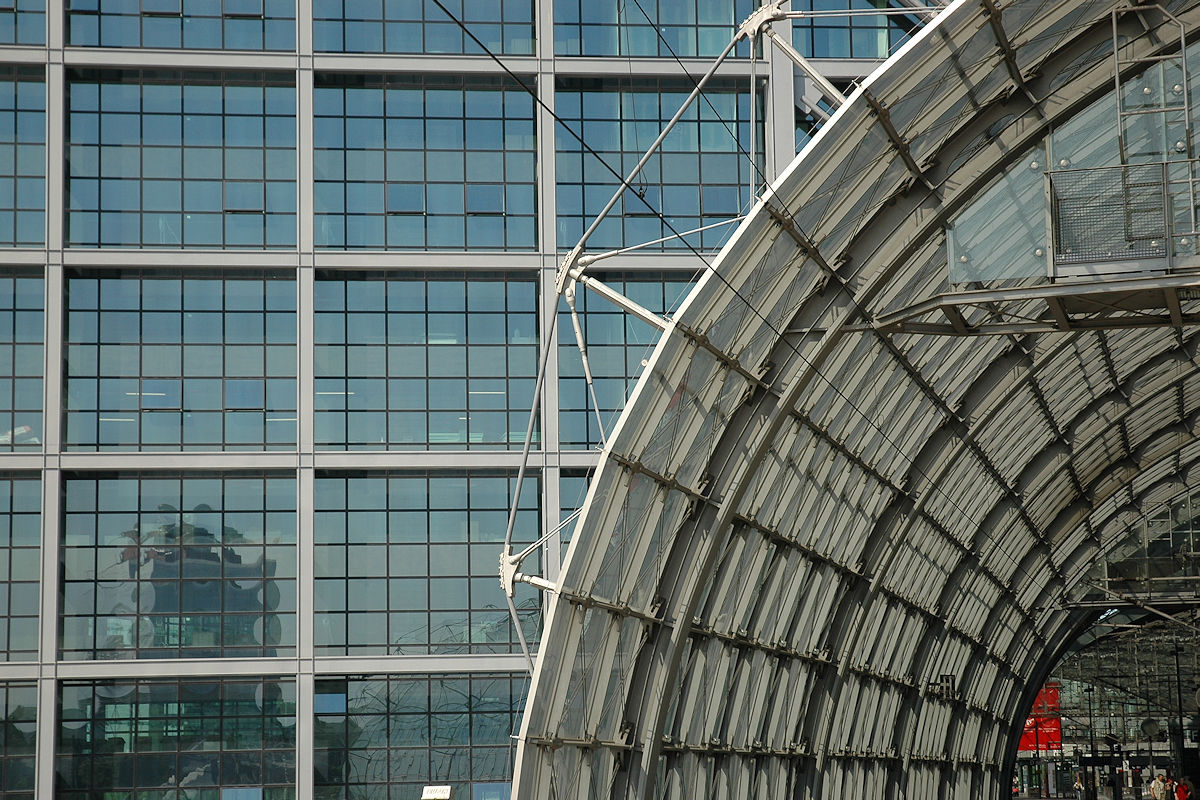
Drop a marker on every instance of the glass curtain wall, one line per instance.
(273, 280)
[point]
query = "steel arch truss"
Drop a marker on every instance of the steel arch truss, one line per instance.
(824, 550)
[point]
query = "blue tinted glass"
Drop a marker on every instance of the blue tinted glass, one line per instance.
(415, 544)
(182, 337)
(621, 118)
(861, 35)
(174, 171)
(376, 189)
(666, 28)
(459, 347)
(618, 346)
(170, 566)
(209, 24)
(22, 155)
(407, 26)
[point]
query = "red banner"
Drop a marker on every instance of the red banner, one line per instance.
(1043, 726)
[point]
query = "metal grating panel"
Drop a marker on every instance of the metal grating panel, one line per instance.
(1109, 214)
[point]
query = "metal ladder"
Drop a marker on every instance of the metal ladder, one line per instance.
(1154, 125)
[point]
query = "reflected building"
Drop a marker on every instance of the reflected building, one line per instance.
(274, 279)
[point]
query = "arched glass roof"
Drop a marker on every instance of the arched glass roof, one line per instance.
(825, 556)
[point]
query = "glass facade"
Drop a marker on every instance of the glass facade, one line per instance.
(227, 739)
(19, 723)
(272, 282)
(208, 24)
(169, 159)
(23, 22)
(180, 361)
(405, 563)
(441, 360)
(683, 28)
(861, 35)
(701, 176)
(22, 156)
(20, 551)
(21, 361)
(412, 26)
(618, 345)
(373, 731)
(193, 566)
(416, 162)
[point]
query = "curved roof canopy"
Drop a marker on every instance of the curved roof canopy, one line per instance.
(826, 555)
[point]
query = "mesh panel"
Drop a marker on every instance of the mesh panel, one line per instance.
(1109, 214)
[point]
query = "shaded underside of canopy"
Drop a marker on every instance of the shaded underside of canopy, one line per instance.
(820, 559)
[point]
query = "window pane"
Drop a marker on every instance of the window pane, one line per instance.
(621, 118)
(216, 24)
(449, 342)
(180, 337)
(22, 154)
(354, 26)
(218, 734)
(416, 162)
(170, 566)
(376, 731)
(417, 564)
(177, 159)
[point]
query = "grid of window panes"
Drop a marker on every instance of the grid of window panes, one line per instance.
(177, 738)
(181, 159)
(416, 162)
(23, 22)
(20, 547)
(407, 731)
(166, 360)
(21, 334)
(700, 176)
(406, 563)
(409, 26)
(209, 24)
(860, 35)
(424, 360)
(18, 715)
(617, 345)
(683, 28)
(22, 156)
(178, 566)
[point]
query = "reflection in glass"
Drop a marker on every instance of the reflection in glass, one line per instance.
(1159, 554)
(20, 565)
(1101, 213)
(406, 563)
(21, 335)
(177, 739)
(1002, 234)
(411, 730)
(169, 567)
(18, 737)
